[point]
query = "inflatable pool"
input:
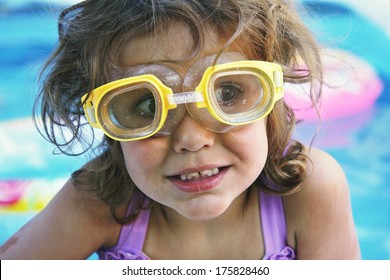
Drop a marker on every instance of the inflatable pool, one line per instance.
(351, 86)
(27, 195)
(339, 25)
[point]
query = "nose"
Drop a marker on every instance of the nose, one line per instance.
(191, 136)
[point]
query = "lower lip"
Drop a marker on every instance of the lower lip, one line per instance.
(201, 185)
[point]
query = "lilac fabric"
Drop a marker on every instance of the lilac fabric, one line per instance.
(273, 222)
(131, 239)
(274, 226)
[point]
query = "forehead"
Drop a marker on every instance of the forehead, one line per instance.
(174, 44)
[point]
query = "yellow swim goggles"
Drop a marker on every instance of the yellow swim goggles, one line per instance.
(228, 95)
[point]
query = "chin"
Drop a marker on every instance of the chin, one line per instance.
(204, 213)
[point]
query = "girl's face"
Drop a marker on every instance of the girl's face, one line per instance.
(194, 171)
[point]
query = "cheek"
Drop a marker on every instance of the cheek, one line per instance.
(251, 142)
(143, 157)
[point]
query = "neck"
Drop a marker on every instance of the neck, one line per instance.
(233, 214)
(209, 239)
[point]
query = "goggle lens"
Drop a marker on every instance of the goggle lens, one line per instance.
(130, 111)
(238, 96)
(133, 109)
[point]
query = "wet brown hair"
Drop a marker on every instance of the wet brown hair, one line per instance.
(91, 36)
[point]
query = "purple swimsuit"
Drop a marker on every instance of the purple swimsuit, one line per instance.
(132, 236)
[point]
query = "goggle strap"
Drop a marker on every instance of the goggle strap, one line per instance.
(278, 79)
(185, 97)
(90, 110)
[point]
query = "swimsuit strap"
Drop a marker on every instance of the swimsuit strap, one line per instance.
(135, 233)
(132, 236)
(273, 224)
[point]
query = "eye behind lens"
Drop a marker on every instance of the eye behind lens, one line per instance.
(240, 96)
(130, 112)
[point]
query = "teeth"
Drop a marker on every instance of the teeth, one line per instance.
(197, 175)
(206, 173)
(189, 176)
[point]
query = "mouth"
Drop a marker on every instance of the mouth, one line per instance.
(196, 176)
(193, 181)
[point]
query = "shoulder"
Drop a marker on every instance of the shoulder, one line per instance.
(82, 207)
(72, 226)
(319, 215)
(326, 184)
(324, 176)
(86, 219)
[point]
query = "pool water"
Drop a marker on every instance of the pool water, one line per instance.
(360, 142)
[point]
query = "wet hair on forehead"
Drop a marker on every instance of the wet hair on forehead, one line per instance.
(263, 26)
(106, 26)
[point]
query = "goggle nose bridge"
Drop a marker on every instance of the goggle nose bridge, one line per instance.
(185, 97)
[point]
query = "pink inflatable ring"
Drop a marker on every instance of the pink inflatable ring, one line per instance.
(350, 86)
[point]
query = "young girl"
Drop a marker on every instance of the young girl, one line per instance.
(197, 160)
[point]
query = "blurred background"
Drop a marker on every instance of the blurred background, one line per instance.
(355, 110)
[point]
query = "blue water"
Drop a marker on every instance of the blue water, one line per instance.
(360, 143)
(366, 161)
